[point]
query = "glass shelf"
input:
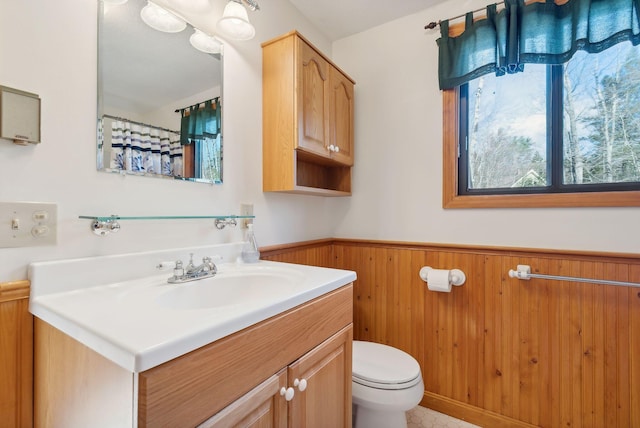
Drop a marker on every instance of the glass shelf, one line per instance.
(104, 225)
(166, 217)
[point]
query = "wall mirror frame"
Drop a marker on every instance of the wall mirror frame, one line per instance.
(148, 81)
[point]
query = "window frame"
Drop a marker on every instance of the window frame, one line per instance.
(450, 194)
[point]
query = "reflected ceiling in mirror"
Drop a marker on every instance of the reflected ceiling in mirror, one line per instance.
(147, 80)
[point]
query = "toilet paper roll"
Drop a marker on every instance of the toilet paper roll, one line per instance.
(438, 280)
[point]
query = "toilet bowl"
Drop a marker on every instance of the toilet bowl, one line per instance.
(386, 382)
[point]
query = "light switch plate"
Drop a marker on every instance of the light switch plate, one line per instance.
(246, 209)
(28, 224)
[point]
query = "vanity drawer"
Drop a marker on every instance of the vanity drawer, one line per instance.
(189, 389)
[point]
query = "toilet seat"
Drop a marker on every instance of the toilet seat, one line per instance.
(383, 367)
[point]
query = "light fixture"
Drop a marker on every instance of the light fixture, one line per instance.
(234, 23)
(161, 19)
(252, 4)
(204, 42)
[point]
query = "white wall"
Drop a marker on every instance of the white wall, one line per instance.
(49, 48)
(397, 184)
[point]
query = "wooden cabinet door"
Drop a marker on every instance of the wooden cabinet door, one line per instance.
(262, 407)
(341, 117)
(16, 356)
(313, 96)
(326, 400)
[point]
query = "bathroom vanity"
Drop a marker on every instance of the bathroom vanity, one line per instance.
(103, 357)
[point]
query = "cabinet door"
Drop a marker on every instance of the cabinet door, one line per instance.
(313, 96)
(262, 407)
(326, 370)
(341, 117)
(16, 356)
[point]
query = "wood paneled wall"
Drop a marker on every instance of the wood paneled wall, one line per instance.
(499, 351)
(16, 356)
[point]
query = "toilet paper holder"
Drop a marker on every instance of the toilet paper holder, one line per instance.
(456, 276)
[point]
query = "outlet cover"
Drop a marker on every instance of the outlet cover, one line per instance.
(246, 209)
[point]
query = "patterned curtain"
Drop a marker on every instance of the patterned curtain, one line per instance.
(144, 149)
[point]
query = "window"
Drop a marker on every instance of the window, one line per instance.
(209, 159)
(201, 141)
(557, 135)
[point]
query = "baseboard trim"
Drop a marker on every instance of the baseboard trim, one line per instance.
(468, 413)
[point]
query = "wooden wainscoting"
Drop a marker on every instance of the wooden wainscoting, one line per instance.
(499, 351)
(16, 356)
(313, 253)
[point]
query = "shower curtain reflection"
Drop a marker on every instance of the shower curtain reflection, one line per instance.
(140, 149)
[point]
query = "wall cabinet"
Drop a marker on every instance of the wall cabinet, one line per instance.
(237, 378)
(307, 120)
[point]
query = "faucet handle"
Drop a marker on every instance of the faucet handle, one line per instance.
(165, 265)
(190, 265)
(209, 265)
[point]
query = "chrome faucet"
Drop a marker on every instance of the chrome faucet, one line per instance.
(192, 272)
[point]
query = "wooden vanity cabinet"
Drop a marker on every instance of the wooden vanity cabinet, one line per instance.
(307, 120)
(323, 401)
(261, 407)
(16, 356)
(190, 389)
(326, 401)
(233, 381)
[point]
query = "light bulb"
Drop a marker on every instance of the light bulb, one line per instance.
(234, 23)
(204, 42)
(161, 19)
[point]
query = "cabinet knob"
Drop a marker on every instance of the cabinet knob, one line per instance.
(301, 384)
(336, 149)
(287, 393)
(331, 148)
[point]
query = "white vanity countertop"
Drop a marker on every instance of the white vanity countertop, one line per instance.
(126, 322)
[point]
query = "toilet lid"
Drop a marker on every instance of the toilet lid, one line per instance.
(380, 365)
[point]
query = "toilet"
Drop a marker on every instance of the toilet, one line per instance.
(386, 382)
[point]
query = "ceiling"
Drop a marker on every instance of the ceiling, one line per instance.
(342, 18)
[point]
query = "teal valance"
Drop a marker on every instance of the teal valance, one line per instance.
(200, 121)
(539, 33)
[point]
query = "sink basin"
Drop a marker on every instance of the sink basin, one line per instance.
(123, 308)
(229, 289)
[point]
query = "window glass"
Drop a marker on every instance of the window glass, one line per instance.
(602, 116)
(507, 131)
(551, 129)
(209, 152)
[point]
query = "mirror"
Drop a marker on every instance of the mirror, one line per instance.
(147, 81)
